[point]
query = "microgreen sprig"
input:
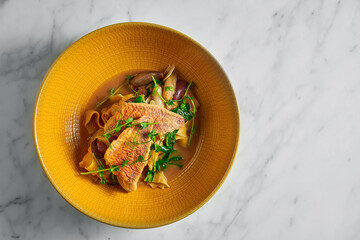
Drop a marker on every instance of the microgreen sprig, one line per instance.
(112, 93)
(193, 127)
(114, 168)
(188, 87)
(128, 123)
(100, 167)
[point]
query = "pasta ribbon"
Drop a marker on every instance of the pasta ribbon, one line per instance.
(182, 135)
(92, 121)
(107, 113)
(89, 163)
(117, 101)
(159, 181)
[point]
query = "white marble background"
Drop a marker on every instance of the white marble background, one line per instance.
(295, 68)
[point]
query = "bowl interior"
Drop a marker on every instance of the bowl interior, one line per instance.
(74, 77)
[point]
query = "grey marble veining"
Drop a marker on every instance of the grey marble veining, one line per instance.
(294, 66)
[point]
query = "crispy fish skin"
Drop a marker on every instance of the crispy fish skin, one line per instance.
(166, 120)
(122, 150)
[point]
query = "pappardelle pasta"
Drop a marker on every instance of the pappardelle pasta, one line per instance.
(137, 131)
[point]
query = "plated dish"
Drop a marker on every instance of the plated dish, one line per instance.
(88, 73)
(141, 129)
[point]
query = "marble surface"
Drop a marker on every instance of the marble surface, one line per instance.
(295, 68)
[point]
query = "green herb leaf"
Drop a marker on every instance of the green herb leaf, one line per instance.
(184, 111)
(157, 166)
(153, 133)
(144, 125)
(139, 99)
(129, 77)
(176, 158)
(193, 130)
(170, 102)
(129, 120)
(166, 149)
(149, 176)
(156, 82)
(101, 175)
(168, 88)
(148, 92)
(124, 163)
(139, 159)
(113, 168)
(111, 90)
(176, 164)
(162, 163)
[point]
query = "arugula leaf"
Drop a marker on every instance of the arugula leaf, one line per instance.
(161, 164)
(184, 110)
(170, 138)
(166, 149)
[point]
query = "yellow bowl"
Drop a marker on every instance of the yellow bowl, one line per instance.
(74, 77)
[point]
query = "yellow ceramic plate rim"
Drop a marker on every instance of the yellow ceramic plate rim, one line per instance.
(143, 24)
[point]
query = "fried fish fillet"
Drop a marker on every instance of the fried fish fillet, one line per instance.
(131, 143)
(166, 120)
